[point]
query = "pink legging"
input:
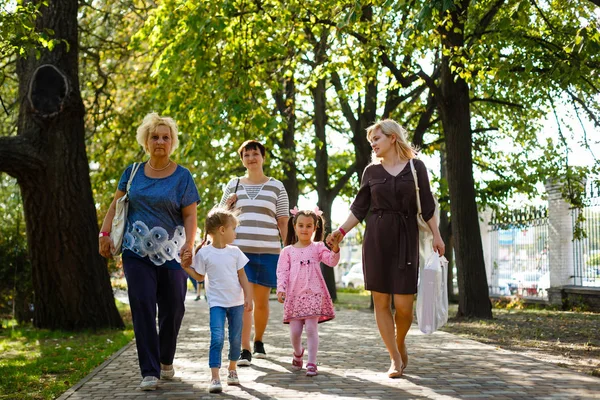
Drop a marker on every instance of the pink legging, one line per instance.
(312, 337)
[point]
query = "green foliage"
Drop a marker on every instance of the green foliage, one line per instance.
(42, 364)
(18, 34)
(16, 288)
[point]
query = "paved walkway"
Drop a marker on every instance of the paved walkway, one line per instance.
(351, 360)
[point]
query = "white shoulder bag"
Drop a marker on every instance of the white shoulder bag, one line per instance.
(120, 220)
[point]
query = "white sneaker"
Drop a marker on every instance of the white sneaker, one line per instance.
(215, 386)
(232, 378)
(167, 374)
(149, 383)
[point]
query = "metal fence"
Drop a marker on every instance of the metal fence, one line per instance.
(519, 253)
(586, 251)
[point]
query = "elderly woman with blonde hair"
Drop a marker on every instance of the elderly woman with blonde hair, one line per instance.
(387, 199)
(161, 225)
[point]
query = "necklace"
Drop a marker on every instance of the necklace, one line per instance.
(159, 169)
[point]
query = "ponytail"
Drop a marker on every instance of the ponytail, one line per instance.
(319, 232)
(291, 237)
(204, 242)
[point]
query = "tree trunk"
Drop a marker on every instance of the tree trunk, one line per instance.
(456, 118)
(446, 232)
(49, 161)
(322, 166)
(286, 103)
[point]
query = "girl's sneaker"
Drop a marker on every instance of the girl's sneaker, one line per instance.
(311, 369)
(215, 386)
(149, 383)
(232, 378)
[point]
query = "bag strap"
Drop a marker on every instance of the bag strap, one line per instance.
(236, 185)
(414, 173)
(135, 168)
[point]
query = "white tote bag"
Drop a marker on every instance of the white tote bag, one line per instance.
(432, 297)
(120, 220)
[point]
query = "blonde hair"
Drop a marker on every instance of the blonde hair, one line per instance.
(149, 125)
(389, 127)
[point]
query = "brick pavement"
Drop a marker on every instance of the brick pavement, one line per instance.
(352, 361)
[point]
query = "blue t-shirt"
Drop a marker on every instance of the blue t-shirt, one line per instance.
(154, 219)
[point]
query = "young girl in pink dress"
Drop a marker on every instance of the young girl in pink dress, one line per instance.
(300, 284)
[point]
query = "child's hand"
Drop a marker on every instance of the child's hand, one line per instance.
(335, 247)
(281, 297)
(186, 259)
(247, 304)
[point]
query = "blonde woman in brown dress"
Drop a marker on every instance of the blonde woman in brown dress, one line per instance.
(387, 199)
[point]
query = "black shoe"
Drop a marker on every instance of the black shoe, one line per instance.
(259, 350)
(245, 358)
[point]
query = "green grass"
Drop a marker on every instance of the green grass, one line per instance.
(566, 338)
(42, 364)
(353, 299)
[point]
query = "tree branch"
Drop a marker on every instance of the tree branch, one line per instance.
(346, 109)
(430, 82)
(589, 112)
(343, 180)
(497, 101)
(480, 130)
(485, 21)
(18, 157)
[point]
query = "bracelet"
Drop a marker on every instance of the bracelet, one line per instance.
(341, 230)
(102, 234)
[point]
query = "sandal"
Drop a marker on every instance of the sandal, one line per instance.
(311, 369)
(297, 361)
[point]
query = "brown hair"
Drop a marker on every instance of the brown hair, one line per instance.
(216, 218)
(319, 224)
(252, 145)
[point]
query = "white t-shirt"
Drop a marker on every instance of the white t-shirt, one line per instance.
(221, 267)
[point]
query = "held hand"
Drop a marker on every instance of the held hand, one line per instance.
(280, 297)
(106, 246)
(186, 259)
(186, 254)
(334, 238)
(247, 304)
(230, 202)
(438, 245)
(335, 248)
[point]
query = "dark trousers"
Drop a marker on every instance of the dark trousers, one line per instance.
(149, 285)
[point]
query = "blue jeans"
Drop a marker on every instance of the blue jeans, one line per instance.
(217, 333)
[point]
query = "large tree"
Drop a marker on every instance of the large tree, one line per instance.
(48, 159)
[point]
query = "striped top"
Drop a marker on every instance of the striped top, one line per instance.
(260, 206)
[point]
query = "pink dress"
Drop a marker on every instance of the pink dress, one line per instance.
(299, 277)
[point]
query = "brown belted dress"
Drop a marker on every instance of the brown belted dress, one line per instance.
(391, 242)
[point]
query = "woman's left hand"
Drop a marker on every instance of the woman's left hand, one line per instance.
(438, 245)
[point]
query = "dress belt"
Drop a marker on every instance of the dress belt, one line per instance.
(403, 243)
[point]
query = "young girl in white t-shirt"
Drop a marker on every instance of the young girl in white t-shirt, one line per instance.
(227, 289)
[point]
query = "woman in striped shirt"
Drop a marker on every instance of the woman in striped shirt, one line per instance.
(264, 206)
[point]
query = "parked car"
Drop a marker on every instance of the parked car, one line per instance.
(354, 277)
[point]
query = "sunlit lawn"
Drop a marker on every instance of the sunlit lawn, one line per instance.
(42, 364)
(353, 299)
